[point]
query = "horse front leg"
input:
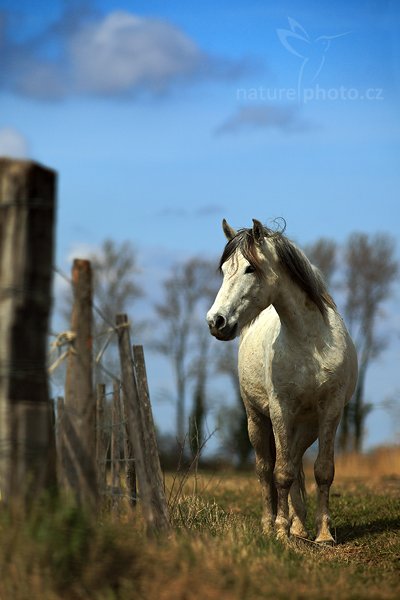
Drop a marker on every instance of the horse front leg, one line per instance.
(285, 469)
(324, 471)
(262, 440)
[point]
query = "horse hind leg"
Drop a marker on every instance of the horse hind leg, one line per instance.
(297, 507)
(262, 440)
(324, 471)
(304, 436)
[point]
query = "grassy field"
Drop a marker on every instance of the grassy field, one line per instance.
(217, 550)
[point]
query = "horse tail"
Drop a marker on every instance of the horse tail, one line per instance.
(272, 449)
(302, 483)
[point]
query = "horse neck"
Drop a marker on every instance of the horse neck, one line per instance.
(300, 317)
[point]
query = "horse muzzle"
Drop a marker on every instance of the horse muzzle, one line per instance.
(221, 329)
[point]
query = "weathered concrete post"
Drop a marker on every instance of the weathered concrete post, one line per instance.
(27, 215)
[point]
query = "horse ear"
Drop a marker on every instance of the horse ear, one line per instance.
(228, 230)
(258, 232)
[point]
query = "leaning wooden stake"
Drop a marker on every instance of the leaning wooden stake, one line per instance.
(130, 469)
(27, 215)
(115, 445)
(80, 405)
(151, 490)
(101, 438)
(60, 445)
(149, 440)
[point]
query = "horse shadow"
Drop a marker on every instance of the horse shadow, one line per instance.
(347, 533)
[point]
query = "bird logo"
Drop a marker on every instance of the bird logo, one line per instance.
(311, 51)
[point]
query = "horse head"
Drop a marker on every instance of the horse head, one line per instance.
(249, 277)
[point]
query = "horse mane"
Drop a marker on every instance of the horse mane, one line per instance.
(294, 261)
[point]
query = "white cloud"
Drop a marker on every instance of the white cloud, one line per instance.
(13, 143)
(124, 52)
(117, 54)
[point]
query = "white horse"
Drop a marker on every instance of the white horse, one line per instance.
(297, 368)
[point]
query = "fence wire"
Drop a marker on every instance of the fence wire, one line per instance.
(114, 465)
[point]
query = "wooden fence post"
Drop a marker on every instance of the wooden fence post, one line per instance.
(149, 440)
(79, 430)
(27, 213)
(59, 438)
(101, 437)
(130, 468)
(115, 445)
(151, 490)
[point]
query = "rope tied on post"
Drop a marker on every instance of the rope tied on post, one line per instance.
(109, 332)
(65, 338)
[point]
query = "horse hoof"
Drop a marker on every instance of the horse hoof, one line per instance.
(298, 531)
(282, 535)
(325, 541)
(268, 526)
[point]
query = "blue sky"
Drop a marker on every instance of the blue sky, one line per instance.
(164, 117)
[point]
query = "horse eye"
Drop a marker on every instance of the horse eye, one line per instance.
(249, 269)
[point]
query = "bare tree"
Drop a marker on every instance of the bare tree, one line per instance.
(203, 349)
(199, 372)
(115, 290)
(322, 253)
(391, 404)
(369, 274)
(188, 286)
(115, 271)
(233, 419)
(115, 287)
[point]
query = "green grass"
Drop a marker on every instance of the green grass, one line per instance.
(217, 549)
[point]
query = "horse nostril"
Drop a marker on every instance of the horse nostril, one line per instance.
(220, 322)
